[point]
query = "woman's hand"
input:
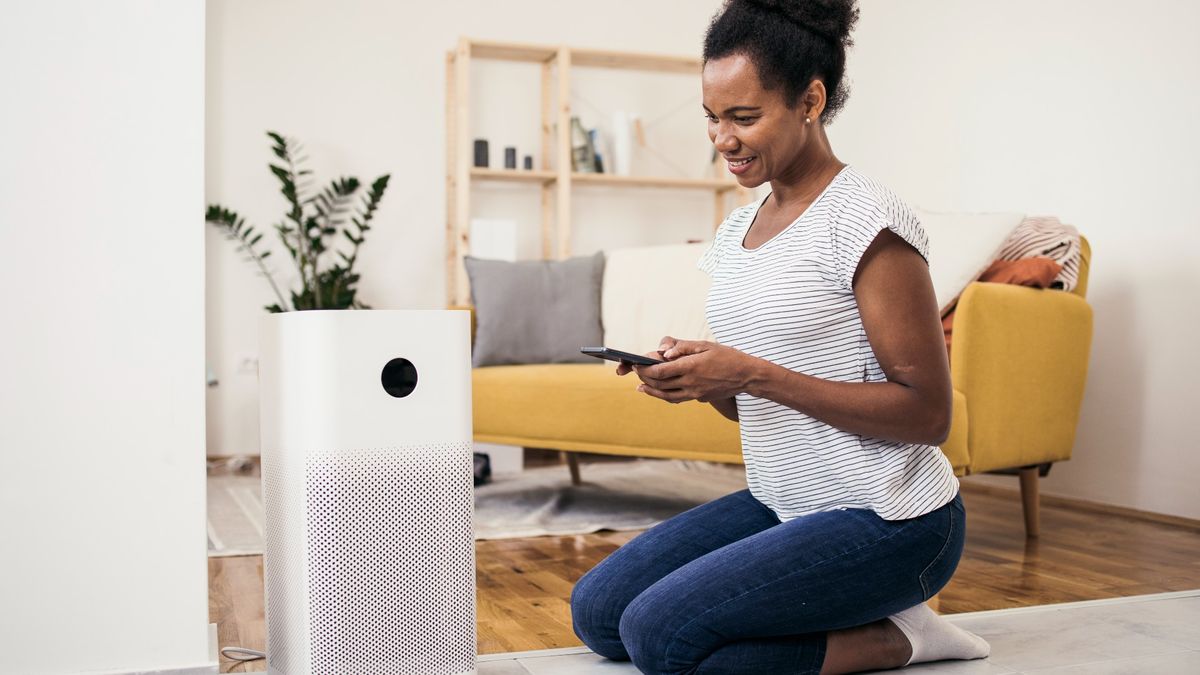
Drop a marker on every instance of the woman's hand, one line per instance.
(624, 367)
(695, 371)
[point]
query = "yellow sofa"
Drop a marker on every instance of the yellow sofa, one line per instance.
(1018, 364)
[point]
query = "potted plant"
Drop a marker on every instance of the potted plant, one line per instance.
(313, 230)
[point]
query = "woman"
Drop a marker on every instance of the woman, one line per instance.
(830, 355)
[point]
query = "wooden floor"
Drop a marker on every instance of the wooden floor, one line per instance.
(524, 584)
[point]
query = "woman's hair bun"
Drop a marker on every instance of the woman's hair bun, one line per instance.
(832, 19)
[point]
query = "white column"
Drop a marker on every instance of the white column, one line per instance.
(102, 505)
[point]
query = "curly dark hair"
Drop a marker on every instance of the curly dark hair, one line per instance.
(790, 42)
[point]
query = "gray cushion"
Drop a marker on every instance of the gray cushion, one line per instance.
(535, 311)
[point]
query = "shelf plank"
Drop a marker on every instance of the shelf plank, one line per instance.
(591, 58)
(602, 179)
(512, 51)
(718, 184)
(516, 175)
(599, 58)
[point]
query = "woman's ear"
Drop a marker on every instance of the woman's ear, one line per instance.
(814, 99)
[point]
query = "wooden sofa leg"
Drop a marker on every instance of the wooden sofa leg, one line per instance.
(573, 462)
(1029, 500)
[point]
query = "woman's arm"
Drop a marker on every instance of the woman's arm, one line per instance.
(726, 406)
(899, 313)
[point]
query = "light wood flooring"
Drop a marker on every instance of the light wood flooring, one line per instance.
(524, 584)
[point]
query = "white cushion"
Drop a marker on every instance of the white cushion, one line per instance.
(652, 291)
(962, 246)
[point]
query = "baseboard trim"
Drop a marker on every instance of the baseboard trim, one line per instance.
(1055, 501)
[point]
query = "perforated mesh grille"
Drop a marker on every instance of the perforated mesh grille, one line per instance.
(391, 560)
(283, 564)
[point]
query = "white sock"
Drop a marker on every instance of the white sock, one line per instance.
(933, 638)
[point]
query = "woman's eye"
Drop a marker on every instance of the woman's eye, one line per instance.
(737, 119)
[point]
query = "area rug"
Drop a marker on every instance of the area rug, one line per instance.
(614, 496)
(1157, 634)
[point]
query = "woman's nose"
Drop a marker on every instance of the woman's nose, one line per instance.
(724, 141)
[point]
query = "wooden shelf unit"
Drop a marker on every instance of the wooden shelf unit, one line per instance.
(556, 184)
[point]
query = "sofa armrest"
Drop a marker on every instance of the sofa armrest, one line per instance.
(1020, 357)
(471, 309)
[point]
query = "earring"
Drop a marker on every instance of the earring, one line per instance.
(807, 120)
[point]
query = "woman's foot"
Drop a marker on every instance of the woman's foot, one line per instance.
(875, 646)
(932, 638)
(915, 635)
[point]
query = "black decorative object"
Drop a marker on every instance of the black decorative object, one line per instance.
(528, 161)
(583, 153)
(483, 468)
(510, 157)
(481, 152)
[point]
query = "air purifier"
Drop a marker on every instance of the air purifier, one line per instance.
(369, 555)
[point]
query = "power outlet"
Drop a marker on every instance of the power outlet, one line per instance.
(247, 364)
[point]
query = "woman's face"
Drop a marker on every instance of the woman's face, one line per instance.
(752, 127)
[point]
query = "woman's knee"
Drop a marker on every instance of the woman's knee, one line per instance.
(649, 632)
(594, 616)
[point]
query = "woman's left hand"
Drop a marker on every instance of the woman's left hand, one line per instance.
(696, 370)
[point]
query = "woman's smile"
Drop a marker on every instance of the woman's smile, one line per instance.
(740, 165)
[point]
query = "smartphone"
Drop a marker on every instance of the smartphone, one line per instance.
(618, 355)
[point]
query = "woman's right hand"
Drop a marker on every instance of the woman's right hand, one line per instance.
(624, 368)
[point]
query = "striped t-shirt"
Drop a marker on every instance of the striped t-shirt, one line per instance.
(790, 301)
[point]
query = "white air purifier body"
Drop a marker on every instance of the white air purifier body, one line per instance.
(369, 557)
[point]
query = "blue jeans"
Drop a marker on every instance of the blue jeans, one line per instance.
(727, 588)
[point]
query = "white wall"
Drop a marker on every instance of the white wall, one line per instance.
(1072, 108)
(102, 488)
(1078, 109)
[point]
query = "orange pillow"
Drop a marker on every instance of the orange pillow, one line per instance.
(1038, 272)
